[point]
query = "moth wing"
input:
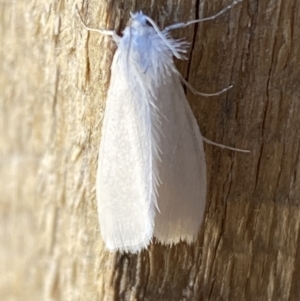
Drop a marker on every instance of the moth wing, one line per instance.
(125, 206)
(182, 193)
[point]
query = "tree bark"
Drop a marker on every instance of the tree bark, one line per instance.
(54, 79)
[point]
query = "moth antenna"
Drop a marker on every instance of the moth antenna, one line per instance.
(188, 23)
(99, 30)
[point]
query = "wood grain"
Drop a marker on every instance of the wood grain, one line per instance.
(54, 79)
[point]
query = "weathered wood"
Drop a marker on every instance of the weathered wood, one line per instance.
(54, 78)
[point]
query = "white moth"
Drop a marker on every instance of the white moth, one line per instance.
(151, 178)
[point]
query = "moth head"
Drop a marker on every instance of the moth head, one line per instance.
(138, 19)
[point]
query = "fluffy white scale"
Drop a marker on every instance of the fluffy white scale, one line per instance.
(151, 153)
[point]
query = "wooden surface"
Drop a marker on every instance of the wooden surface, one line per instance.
(54, 77)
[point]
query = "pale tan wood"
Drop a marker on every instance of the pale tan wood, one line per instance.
(54, 77)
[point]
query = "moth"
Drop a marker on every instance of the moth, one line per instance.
(151, 177)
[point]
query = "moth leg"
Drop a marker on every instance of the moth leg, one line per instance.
(225, 146)
(194, 91)
(188, 23)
